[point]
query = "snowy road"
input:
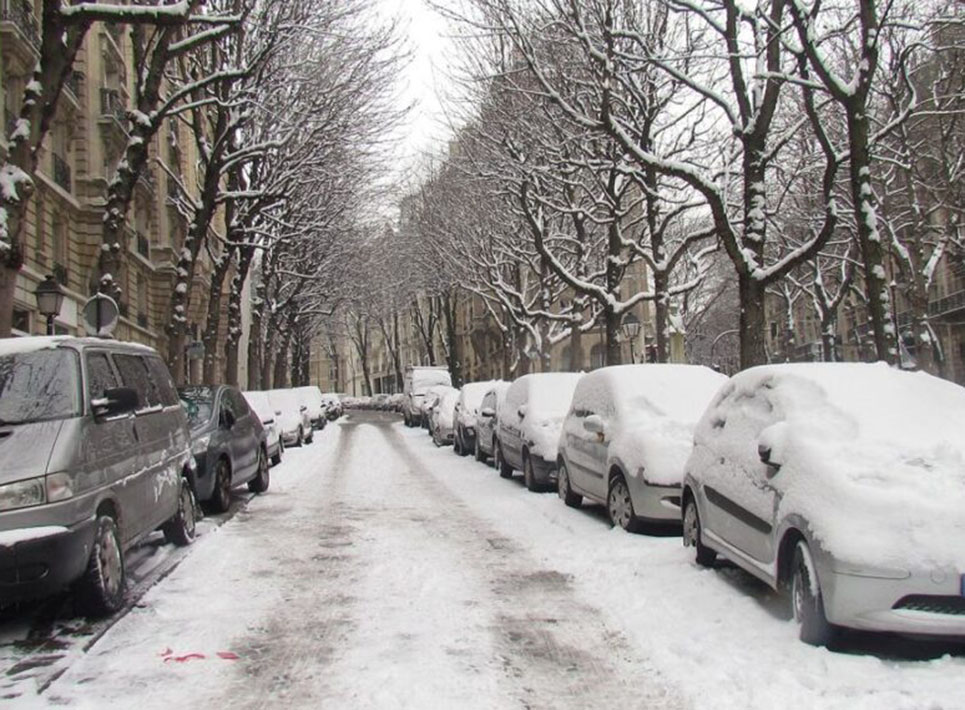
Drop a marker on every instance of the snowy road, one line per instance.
(381, 572)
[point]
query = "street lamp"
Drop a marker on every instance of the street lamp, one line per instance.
(631, 329)
(50, 297)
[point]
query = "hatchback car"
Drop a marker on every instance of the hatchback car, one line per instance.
(467, 409)
(429, 400)
(314, 402)
(842, 483)
(627, 436)
(94, 456)
(258, 401)
(228, 443)
(528, 432)
(486, 419)
(443, 418)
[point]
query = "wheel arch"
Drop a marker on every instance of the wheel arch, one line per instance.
(785, 554)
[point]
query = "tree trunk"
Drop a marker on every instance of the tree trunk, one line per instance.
(576, 349)
(255, 349)
(751, 328)
(213, 325)
(611, 325)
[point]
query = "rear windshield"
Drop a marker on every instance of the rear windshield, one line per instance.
(38, 386)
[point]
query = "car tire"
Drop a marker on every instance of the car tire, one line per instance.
(478, 452)
(181, 528)
(574, 500)
(456, 443)
(529, 475)
(505, 470)
(705, 556)
(221, 495)
(100, 590)
(807, 602)
(276, 459)
(301, 437)
(311, 436)
(619, 505)
(259, 484)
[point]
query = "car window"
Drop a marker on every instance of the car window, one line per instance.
(228, 405)
(238, 403)
(37, 386)
(100, 375)
(134, 374)
(161, 379)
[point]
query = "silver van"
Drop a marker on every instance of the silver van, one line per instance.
(94, 455)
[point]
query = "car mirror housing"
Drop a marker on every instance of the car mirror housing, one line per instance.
(593, 424)
(521, 411)
(115, 402)
(487, 412)
(772, 446)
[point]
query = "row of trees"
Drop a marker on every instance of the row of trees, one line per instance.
(288, 103)
(782, 148)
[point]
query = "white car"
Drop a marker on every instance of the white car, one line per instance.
(293, 420)
(487, 418)
(258, 401)
(844, 483)
(467, 409)
(442, 417)
(314, 403)
(627, 436)
(429, 400)
(530, 421)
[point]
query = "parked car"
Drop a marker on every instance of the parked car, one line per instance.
(333, 405)
(416, 381)
(627, 436)
(293, 420)
(228, 442)
(258, 401)
(487, 418)
(429, 400)
(842, 483)
(467, 409)
(442, 418)
(94, 455)
(311, 397)
(528, 431)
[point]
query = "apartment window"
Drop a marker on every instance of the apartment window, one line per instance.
(21, 321)
(59, 238)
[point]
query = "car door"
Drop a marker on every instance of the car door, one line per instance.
(109, 448)
(245, 431)
(741, 500)
(484, 425)
(511, 423)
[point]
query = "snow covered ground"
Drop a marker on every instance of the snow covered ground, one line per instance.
(380, 571)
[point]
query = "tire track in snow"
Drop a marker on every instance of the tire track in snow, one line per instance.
(555, 651)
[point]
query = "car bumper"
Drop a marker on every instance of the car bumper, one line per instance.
(544, 471)
(655, 503)
(40, 566)
(930, 604)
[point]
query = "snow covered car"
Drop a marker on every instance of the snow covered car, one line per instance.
(94, 455)
(333, 405)
(228, 443)
(487, 418)
(844, 483)
(429, 400)
(416, 382)
(442, 417)
(293, 422)
(626, 438)
(467, 409)
(528, 431)
(311, 397)
(258, 401)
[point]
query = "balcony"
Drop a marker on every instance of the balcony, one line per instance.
(19, 23)
(113, 113)
(74, 87)
(61, 172)
(949, 304)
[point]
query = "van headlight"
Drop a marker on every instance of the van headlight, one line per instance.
(23, 494)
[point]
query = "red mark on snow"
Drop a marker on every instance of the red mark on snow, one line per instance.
(185, 658)
(166, 652)
(228, 655)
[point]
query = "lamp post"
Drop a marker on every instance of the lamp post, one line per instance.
(50, 297)
(631, 329)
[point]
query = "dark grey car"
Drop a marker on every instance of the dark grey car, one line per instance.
(228, 441)
(94, 455)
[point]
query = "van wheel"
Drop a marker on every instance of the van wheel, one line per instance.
(478, 452)
(180, 529)
(301, 437)
(221, 496)
(276, 459)
(259, 484)
(100, 591)
(529, 475)
(505, 470)
(311, 436)
(807, 602)
(691, 535)
(457, 444)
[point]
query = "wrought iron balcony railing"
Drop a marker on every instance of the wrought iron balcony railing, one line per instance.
(21, 14)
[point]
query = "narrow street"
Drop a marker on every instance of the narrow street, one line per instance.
(382, 572)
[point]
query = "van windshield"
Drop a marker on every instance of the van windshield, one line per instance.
(38, 386)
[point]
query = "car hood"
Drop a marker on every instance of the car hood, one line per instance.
(660, 446)
(543, 431)
(25, 449)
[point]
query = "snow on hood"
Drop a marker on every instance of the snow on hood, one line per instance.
(470, 397)
(655, 408)
(872, 457)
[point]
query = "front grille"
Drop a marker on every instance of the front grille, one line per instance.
(932, 603)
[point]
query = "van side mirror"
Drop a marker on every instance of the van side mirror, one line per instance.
(593, 424)
(115, 402)
(487, 412)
